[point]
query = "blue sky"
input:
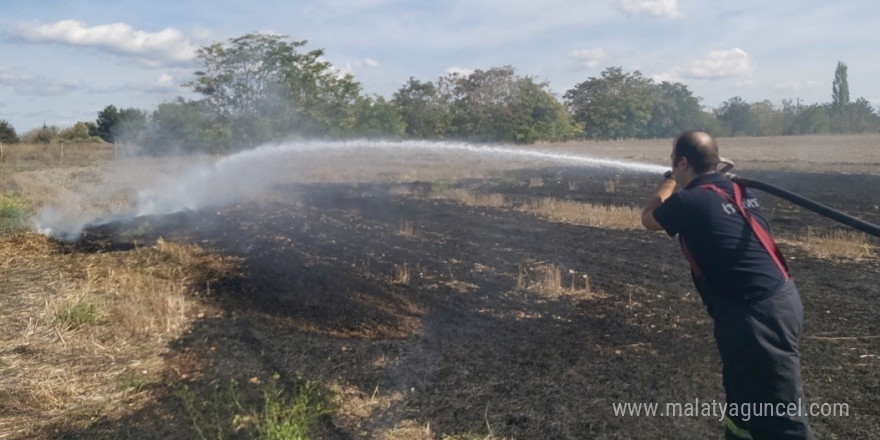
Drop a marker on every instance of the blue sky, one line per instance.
(63, 61)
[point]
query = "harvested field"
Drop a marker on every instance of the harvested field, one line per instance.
(425, 297)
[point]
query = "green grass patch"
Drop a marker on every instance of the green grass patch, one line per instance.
(440, 187)
(291, 417)
(14, 212)
(79, 313)
(282, 412)
(135, 382)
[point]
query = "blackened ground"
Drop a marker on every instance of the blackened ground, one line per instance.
(461, 346)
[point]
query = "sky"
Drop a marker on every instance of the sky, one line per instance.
(63, 61)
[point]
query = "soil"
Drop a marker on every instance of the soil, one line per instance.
(462, 347)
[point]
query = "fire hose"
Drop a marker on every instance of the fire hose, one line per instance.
(812, 205)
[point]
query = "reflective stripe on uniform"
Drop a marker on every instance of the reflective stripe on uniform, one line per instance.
(734, 429)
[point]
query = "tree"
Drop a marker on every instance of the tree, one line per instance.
(264, 88)
(676, 109)
(186, 126)
(860, 117)
(377, 118)
(127, 125)
(615, 105)
(132, 126)
(619, 104)
(768, 119)
(537, 115)
(425, 113)
(7, 133)
(331, 105)
(737, 118)
(840, 88)
(241, 79)
(790, 111)
(812, 119)
(479, 102)
(108, 119)
(499, 105)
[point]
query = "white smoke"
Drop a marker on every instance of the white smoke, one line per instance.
(250, 174)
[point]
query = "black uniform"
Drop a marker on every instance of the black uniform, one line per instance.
(755, 306)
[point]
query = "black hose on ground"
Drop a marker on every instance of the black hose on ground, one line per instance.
(816, 207)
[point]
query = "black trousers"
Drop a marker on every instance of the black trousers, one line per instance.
(758, 342)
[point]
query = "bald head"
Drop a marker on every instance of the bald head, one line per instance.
(699, 148)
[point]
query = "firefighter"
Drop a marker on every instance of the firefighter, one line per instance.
(744, 282)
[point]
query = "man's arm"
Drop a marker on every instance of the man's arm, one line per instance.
(663, 192)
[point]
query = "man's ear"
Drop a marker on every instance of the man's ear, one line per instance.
(682, 162)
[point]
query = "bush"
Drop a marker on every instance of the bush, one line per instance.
(7, 133)
(42, 135)
(81, 132)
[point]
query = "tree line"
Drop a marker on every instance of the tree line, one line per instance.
(258, 88)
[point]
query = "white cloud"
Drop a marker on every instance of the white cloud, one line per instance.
(722, 63)
(588, 57)
(659, 8)
(359, 65)
(461, 71)
(26, 83)
(165, 81)
(166, 46)
(716, 65)
(674, 75)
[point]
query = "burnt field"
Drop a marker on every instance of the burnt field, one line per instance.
(429, 315)
(436, 327)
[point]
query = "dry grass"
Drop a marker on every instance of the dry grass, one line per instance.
(401, 274)
(405, 228)
(30, 156)
(355, 406)
(580, 282)
(556, 210)
(834, 244)
(612, 184)
(547, 279)
(471, 198)
(543, 278)
(585, 214)
(81, 329)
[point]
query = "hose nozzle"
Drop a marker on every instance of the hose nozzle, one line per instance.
(728, 165)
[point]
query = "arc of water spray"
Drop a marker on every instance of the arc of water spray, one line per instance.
(247, 173)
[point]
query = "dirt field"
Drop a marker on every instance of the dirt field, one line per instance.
(429, 318)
